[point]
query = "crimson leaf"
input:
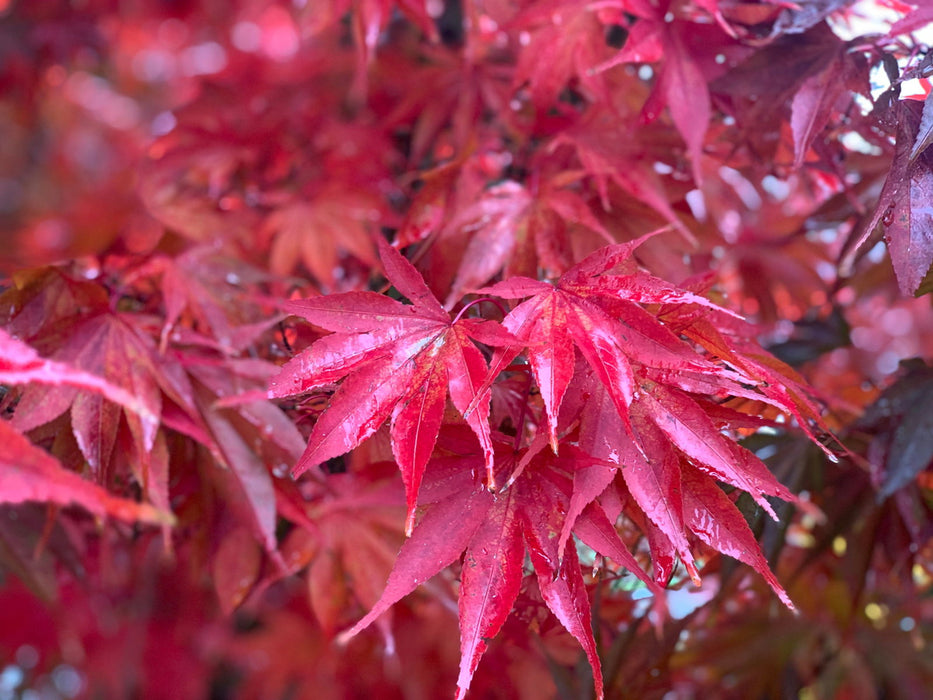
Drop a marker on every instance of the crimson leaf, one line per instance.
(396, 361)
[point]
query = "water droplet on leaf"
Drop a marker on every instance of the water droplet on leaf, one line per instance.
(888, 217)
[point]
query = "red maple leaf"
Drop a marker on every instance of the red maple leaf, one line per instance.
(21, 364)
(534, 515)
(681, 85)
(348, 535)
(493, 532)
(513, 229)
(116, 430)
(317, 232)
(822, 94)
(600, 315)
(206, 299)
(685, 450)
(111, 346)
(564, 44)
(443, 107)
(395, 360)
(28, 473)
(251, 441)
(31, 474)
(623, 157)
(904, 210)
(641, 392)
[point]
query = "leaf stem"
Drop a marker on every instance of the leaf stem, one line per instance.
(491, 300)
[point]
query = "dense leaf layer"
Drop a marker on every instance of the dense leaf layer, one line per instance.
(261, 259)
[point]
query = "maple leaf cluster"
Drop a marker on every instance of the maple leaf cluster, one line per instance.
(513, 323)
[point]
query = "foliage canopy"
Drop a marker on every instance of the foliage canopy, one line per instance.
(595, 331)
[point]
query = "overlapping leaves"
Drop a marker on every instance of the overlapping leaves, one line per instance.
(493, 533)
(29, 473)
(632, 372)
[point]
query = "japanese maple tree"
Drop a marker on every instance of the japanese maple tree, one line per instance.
(445, 348)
